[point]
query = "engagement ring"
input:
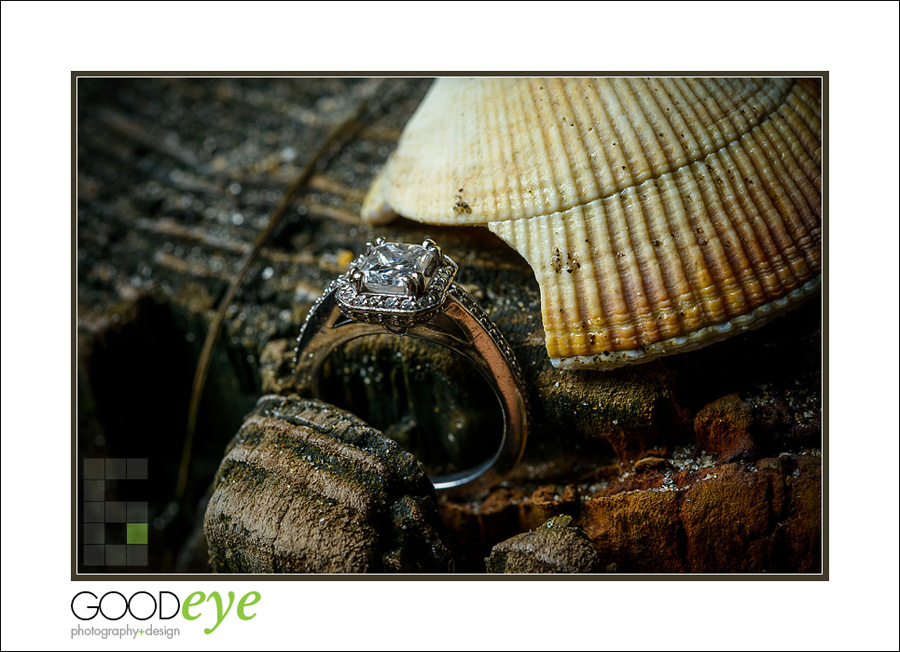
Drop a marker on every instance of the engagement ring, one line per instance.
(411, 290)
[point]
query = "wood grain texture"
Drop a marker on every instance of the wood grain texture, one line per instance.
(307, 488)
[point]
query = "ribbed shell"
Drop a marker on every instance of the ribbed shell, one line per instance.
(658, 214)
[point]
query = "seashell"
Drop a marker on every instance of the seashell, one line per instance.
(659, 215)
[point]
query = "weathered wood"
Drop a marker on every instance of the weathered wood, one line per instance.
(307, 488)
(555, 547)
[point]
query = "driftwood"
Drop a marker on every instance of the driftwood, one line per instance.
(307, 488)
(175, 179)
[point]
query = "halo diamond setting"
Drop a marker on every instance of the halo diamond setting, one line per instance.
(396, 285)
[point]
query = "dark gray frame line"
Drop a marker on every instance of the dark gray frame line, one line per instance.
(76, 576)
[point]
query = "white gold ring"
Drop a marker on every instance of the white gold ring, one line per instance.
(411, 290)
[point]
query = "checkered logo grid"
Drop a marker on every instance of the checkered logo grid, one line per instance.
(101, 516)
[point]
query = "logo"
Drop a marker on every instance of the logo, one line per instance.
(165, 605)
(114, 531)
(87, 606)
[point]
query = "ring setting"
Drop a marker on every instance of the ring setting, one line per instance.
(411, 290)
(397, 285)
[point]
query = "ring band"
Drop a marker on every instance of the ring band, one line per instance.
(412, 290)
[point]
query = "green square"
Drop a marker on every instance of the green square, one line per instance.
(136, 533)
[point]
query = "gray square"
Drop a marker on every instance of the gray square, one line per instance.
(115, 512)
(115, 468)
(115, 555)
(94, 490)
(137, 468)
(93, 512)
(137, 512)
(94, 532)
(93, 468)
(93, 555)
(137, 555)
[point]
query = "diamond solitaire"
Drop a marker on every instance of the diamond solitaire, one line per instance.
(394, 268)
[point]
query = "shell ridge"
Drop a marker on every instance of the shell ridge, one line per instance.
(679, 292)
(799, 214)
(769, 96)
(623, 269)
(657, 296)
(570, 277)
(623, 155)
(777, 207)
(400, 200)
(674, 272)
(672, 286)
(515, 199)
(579, 158)
(807, 138)
(549, 309)
(773, 273)
(736, 118)
(810, 101)
(749, 216)
(706, 124)
(807, 150)
(554, 310)
(803, 222)
(793, 160)
(599, 117)
(773, 237)
(699, 277)
(733, 291)
(652, 149)
(550, 190)
(758, 317)
(709, 245)
(714, 98)
(657, 119)
(732, 121)
(733, 231)
(711, 187)
(548, 137)
(644, 271)
(610, 292)
(737, 278)
(806, 106)
(628, 138)
(634, 184)
(491, 127)
(563, 172)
(575, 233)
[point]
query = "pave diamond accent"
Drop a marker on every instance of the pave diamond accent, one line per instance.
(479, 314)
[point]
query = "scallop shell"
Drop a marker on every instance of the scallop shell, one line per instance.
(659, 215)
